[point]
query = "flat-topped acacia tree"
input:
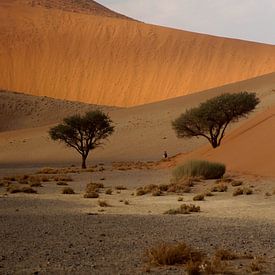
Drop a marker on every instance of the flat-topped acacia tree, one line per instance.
(212, 117)
(83, 133)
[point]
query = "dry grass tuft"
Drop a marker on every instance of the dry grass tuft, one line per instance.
(208, 194)
(9, 178)
(103, 203)
(256, 266)
(225, 255)
(62, 183)
(120, 187)
(91, 195)
(13, 188)
(247, 191)
(180, 198)
(126, 202)
(172, 254)
(220, 187)
(68, 191)
(140, 192)
(199, 197)
(62, 178)
(238, 192)
(35, 184)
(94, 187)
(156, 193)
(109, 191)
(184, 209)
(235, 183)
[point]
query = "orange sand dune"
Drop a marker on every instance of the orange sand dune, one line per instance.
(141, 132)
(110, 61)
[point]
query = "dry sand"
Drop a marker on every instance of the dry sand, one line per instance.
(111, 61)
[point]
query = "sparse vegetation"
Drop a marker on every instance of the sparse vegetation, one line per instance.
(235, 183)
(211, 119)
(184, 209)
(172, 254)
(208, 194)
(94, 187)
(225, 255)
(220, 187)
(68, 191)
(62, 178)
(91, 195)
(180, 198)
(109, 191)
(13, 188)
(103, 203)
(120, 187)
(247, 191)
(62, 183)
(238, 192)
(199, 168)
(199, 197)
(242, 191)
(126, 202)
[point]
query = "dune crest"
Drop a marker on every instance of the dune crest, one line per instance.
(109, 61)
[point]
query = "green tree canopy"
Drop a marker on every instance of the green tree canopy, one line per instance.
(83, 133)
(211, 118)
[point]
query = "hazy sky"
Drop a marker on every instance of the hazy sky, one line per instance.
(245, 19)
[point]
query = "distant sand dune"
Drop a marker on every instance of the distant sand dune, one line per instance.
(110, 61)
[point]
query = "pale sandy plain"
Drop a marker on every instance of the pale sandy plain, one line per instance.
(52, 233)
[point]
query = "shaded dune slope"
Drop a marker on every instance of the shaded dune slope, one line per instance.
(110, 61)
(19, 111)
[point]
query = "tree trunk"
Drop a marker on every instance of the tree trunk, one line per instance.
(84, 162)
(214, 143)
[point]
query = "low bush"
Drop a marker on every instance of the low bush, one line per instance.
(68, 191)
(247, 191)
(62, 178)
(120, 187)
(237, 192)
(91, 195)
(235, 183)
(62, 183)
(156, 193)
(94, 187)
(108, 192)
(199, 168)
(184, 209)
(103, 203)
(172, 254)
(225, 255)
(18, 189)
(199, 197)
(35, 184)
(219, 188)
(208, 194)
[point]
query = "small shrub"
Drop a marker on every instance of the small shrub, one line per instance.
(91, 195)
(28, 190)
(199, 168)
(10, 178)
(184, 209)
(238, 192)
(35, 184)
(68, 191)
(103, 203)
(180, 198)
(62, 183)
(62, 178)
(208, 194)
(108, 192)
(120, 187)
(199, 197)
(163, 187)
(219, 188)
(235, 183)
(172, 254)
(150, 188)
(23, 181)
(12, 188)
(156, 193)
(193, 268)
(225, 255)
(45, 178)
(140, 192)
(126, 202)
(247, 191)
(267, 194)
(93, 187)
(255, 266)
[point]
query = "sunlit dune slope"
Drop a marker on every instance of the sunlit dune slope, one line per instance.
(113, 61)
(141, 132)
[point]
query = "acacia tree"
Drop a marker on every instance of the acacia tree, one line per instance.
(83, 133)
(212, 117)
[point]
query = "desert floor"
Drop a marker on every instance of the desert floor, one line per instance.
(54, 233)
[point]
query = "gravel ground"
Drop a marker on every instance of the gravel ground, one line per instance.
(75, 243)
